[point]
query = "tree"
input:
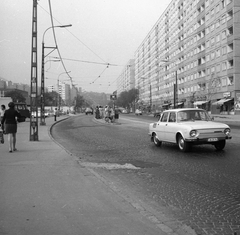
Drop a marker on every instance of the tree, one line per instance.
(79, 102)
(51, 98)
(16, 96)
(128, 98)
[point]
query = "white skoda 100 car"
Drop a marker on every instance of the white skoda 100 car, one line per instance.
(187, 127)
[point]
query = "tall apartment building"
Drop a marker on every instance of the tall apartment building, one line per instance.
(191, 57)
(63, 90)
(126, 79)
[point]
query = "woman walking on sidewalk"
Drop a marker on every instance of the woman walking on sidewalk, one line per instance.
(9, 123)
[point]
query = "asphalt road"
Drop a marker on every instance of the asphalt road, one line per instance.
(200, 189)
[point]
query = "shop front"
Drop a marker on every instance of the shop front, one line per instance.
(201, 104)
(223, 106)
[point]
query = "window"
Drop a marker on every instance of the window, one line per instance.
(224, 34)
(224, 81)
(172, 117)
(213, 70)
(212, 41)
(164, 117)
(230, 64)
(230, 47)
(213, 55)
(224, 50)
(223, 3)
(212, 12)
(230, 81)
(217, 52)
(230, 31)
(224, 65)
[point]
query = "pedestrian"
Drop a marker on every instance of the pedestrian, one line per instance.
(2, 111)
(97, 113)
(107, 114)
(112, 115)
(9, 125)
(55, 114)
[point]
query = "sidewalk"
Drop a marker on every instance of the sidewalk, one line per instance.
(44, 190)
(233, 120)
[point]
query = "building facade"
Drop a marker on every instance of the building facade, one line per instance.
(126, 80)
(191, 57)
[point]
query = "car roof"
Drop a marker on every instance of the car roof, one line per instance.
(182, 109)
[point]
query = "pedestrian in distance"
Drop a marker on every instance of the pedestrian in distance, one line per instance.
(97, 113)
(2, 111)
(9, 125)
(55, 114)
(107, 114)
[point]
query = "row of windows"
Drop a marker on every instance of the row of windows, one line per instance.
(209, 88)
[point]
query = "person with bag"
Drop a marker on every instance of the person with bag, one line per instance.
(9, 125)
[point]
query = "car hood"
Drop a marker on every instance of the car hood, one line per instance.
(204, 124)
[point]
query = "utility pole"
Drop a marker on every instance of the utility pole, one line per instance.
(34, 72)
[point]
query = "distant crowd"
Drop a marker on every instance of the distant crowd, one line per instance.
(109, 114)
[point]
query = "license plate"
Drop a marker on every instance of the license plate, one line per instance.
(212, 139)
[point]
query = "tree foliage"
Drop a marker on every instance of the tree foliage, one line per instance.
(127, 98)
(16, 96)
(79, 101)
(51, 98)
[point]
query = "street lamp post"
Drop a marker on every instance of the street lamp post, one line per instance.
(42, 118)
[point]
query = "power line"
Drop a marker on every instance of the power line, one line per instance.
(77, 38)
(90, 62)
(55, 40)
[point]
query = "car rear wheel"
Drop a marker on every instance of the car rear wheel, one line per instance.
(156, 141)
(220, 145)
(182, 144)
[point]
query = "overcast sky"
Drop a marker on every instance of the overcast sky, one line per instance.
(103, 31)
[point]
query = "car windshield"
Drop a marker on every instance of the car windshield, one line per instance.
(193, 115)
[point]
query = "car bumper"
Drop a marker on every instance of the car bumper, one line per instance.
(211, 140)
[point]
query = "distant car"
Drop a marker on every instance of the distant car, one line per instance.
(124, 111)
(46, 114)
(88, 111)
(138, 112)
(187, 127)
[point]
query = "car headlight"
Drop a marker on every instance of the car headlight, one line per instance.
(193, 133)
(227, 131)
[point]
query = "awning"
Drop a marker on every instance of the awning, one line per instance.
(200, 102)
(221, 102)
(178, 104)
(165, 105)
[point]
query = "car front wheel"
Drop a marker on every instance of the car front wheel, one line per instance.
(156, 141)
(182, 144)
(220, 145)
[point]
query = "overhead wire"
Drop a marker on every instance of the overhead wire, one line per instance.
(76, 37)
(55, 40)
